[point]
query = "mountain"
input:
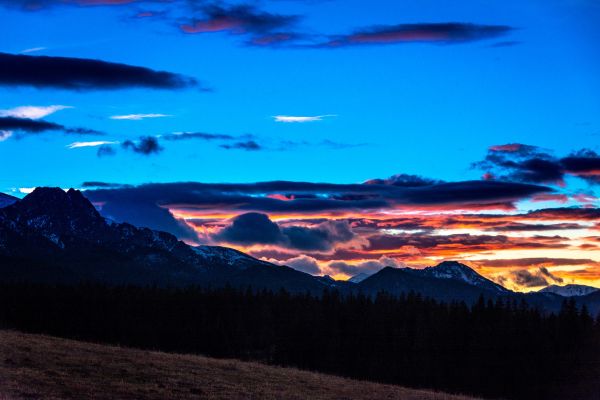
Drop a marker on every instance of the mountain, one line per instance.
(569, 290)
(7, 200)
(449, 280)
(404, 280)
(57, 236)
(456, 271)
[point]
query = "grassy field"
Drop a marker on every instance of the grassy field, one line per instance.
(42, 367)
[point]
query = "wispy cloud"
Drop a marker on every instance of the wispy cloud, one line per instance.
(33, 50)
(300, 119)
(32, 126)
(238, 19)
(137, 117)
(76, 145)
(32, 112)
(249, 145)
(442, 33)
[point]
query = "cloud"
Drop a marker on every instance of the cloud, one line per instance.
(28, 125)
(148, 214)
(37, 126)
(33, 50)
(299, 119)
(257, 228)
(77, 145)
(137, 117)
(584, 164)
(237, 19)
(535, 262)
(328, 197)
(249, 145)
(404, 180)
(84, 74)
(323, 237)
(106, 150)
(251, 228)
(304, 264)
(441, 33)
(196, 135)
(524, 163)
(541, 277)
(146, 145)
(369, 267)
(32, 112)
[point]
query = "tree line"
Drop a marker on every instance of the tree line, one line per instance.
(495, 349)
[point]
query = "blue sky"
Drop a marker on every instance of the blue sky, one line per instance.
(418, 108)
(421, 88)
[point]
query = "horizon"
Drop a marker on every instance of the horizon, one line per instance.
(335, 138)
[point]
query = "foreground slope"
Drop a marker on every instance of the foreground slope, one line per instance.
(34, 366)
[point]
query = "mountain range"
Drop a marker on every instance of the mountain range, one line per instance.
(57, 236)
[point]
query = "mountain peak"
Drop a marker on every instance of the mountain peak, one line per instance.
(461, 272)
(569, 290)
(52, 198)
(55, 211)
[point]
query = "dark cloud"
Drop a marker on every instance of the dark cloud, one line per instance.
(405, 180)
(28, 125)
(241, 19)
(257, 228)
(83, 74)
(196, 135)
(305, 197)
(146, 145)
(323, 237)
(524, 163)
(249, 145)
(521, 163)
(149, 215)
(584, 164)
(39, 126)
(106, 150)
(251, 228)
(96, 184)
(541, 277)
(442, 33)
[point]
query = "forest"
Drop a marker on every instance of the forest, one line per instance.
(493, 349)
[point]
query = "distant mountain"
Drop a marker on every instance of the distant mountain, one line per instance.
(569, 290)
(54, 236)
(7, 200)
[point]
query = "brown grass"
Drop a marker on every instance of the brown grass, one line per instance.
(42, 367)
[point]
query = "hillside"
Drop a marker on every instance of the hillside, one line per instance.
(35, 366)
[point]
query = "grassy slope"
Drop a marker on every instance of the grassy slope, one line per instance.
(35, 366)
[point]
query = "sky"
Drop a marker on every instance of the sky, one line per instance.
(333, 136)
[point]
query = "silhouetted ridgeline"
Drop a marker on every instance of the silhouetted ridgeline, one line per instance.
(492, 349)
